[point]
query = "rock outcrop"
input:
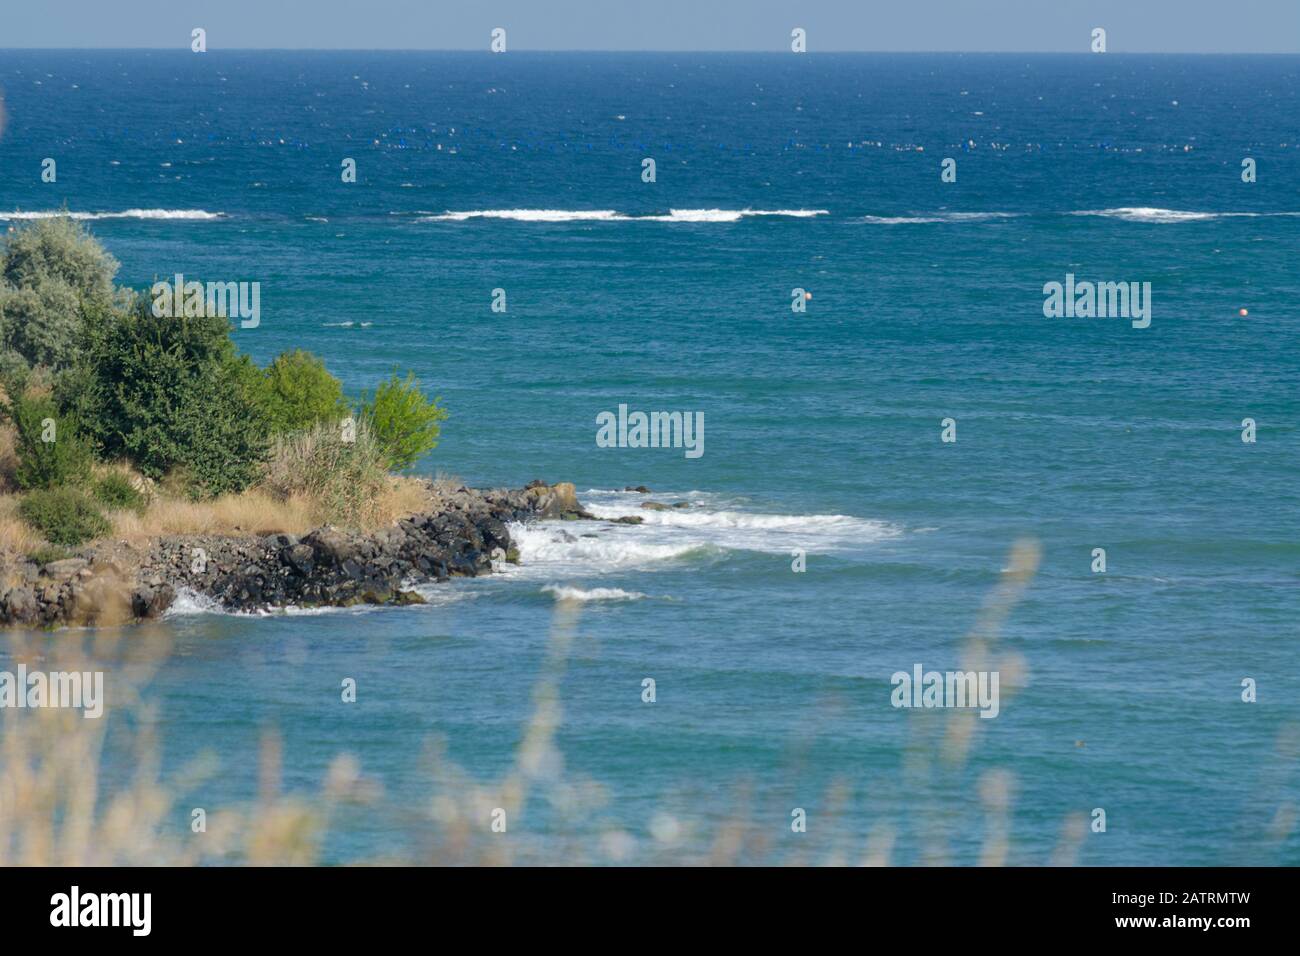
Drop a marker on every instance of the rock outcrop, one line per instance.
(463, 534)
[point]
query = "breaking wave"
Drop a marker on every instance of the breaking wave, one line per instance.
(610, 215)
(201, 214)
(703, 530)
(1155, 214)
(940, 217)
(563, 593)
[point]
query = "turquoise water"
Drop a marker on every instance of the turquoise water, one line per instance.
(822, 428)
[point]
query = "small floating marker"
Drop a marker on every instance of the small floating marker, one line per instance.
(1243, 312)
(807, 296)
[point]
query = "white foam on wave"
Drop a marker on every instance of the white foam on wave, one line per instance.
(547, 549)
(899, 220)
(951, 217)
(1156, 214)
(563, 593)
(709, 527)
(1126, 213)
(729, 215)
(190, 602)
(610, 215)
(187, 214)
(439, 593)
(201, 214)
(528, 215)
(748, 531)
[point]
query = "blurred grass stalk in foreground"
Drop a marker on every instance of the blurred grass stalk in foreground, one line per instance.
(56, 810)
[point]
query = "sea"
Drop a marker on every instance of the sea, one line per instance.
(906, 463)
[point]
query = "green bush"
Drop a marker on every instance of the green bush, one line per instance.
(51, 272)
(299, 392)
(65, 516)
(404, 421)
(170, 393)
(115, 490)
(50, 450)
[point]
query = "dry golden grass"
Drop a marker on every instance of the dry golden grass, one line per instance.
(258, 511)
(446, 484)
(252, 512)
(404, 496)
(346, 481)
(8, 456)
(16, 535)
(347, 478)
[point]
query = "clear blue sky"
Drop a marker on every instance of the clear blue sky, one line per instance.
(1199, 26)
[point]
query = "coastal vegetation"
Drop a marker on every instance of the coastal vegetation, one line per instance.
(115, 422)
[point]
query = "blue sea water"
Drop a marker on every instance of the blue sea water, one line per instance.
(1121, 691)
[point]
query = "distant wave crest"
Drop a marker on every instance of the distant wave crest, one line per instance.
(1156, 214)
(125, 214)
(1152, 214)
(610, 215)
(1126, 213)
(940, 217)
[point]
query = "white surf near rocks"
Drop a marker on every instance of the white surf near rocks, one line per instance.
(708, 527)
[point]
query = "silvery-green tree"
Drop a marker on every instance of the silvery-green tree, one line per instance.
(52, 272)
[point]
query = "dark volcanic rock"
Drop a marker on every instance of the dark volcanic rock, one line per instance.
(147, 602)
(20, 605)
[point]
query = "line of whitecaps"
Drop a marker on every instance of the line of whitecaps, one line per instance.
(1127, 213)
(1142, 214)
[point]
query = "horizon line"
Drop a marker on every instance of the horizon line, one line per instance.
(773, 52)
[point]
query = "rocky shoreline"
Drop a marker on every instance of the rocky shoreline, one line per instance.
(463, 534)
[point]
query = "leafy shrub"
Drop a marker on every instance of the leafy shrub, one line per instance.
(65, 516)
(115, 490)
(299, 392)
(51, 272)
(170, 392)
(404, 421)
(345, 480)
(50, 450)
